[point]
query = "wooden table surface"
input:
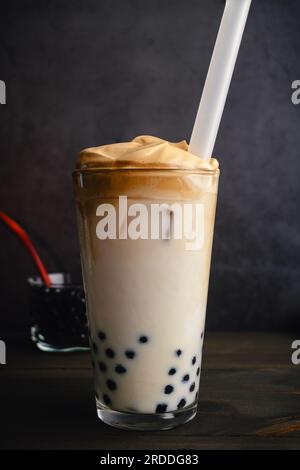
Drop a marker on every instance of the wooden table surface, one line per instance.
(249, 399)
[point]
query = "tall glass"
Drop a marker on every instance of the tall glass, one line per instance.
(146, 238)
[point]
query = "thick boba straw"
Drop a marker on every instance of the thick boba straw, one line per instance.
(219, 77)
(20, 232)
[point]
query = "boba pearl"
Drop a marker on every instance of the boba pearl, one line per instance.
(198, 371)
(120, 369)
(186, 378)
(102, 366)
(106, 399)
(111, 384)
(192, 387)
(161, 408)
(178, 352)
(172, 371)
(143, 339)
(181, 404)
(110, 352)
(130, 353)
(101, 335)
(194, 360)
(169, 389)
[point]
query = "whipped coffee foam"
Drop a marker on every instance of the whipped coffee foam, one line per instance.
(144, 152)
(146, 298)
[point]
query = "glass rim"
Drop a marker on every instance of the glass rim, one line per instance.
(184, 171)
(35, 280)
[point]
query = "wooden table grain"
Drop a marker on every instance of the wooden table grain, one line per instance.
(249, 399)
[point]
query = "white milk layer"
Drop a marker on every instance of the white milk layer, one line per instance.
(146, 303)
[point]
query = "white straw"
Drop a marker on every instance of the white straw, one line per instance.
(218, 78)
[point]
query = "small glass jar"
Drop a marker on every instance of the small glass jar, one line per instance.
(58, 318)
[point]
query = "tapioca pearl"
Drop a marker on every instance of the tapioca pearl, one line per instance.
(172, 371)
(194, 360)
(111, 384)
(95, 347)
(168, 389)
(130, 353)
(110, 352)
(186, 378)
(181, 404)
(120, 369)
(102, 366)
(101, 335)
(161, 408)
(198, 371)
(192, 387)
(178, 352)
(143, 339)
(106, 399)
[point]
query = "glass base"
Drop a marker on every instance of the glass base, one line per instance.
(46, 347)
(146, 422)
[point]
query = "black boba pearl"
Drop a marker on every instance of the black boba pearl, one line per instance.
(120, 369)
(130, 354)
(194, 360)
(101, 335)
(102, 366)
(181, 403)
(192, 387)
(110, 352)
(178, 352)
(111, 384)
(198, 371)
(186, 378)
(161, 408)
(95, 348)
(143, 339)
(169, 389)
(172, 371)
(106, 399)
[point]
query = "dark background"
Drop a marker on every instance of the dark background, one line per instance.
(86, 73)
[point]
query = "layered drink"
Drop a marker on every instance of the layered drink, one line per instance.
(146, 211)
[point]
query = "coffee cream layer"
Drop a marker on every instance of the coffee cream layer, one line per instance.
(144, 152)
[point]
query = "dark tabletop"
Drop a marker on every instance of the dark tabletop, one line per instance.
(249, 399)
